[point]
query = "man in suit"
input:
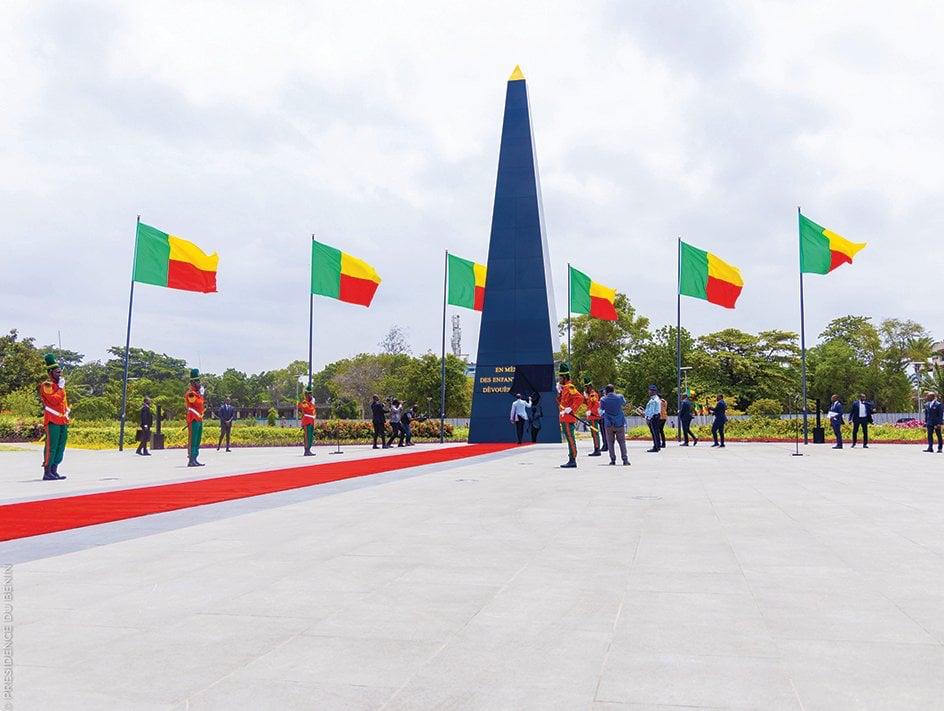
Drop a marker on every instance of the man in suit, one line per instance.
(835, 419)
(519, 416)
(933, 418)
(614, 423)
(227, 414)
(144, 436)
(378, 417)
(861, 415)
(721, 418)
(685, 419)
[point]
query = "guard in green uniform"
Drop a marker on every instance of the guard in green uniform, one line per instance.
(56, 412)
(193, 401)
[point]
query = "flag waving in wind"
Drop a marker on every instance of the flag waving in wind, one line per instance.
(338, 275)
(822, 250)
(171, 261)
(704, 275)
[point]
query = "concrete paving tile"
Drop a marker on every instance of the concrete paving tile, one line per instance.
(712, 681)
(237, 692)
(693, 624)
(831, 675)
(314, 660)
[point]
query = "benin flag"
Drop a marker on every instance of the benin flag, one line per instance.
(705, 276)
(822, 250)
(466, 283)
(339, 275)
(589, 297)
(167, 260)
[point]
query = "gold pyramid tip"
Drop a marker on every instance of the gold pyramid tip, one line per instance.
(516, 75)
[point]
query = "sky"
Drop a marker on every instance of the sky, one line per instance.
(248, 127)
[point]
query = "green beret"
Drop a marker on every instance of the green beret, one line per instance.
(194, 373)
(50, 360)
(308, 390)
(587, 383)
(564, 369)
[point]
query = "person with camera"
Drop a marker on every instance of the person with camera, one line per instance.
(396, 415)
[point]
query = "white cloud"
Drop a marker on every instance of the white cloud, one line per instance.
(246, 127)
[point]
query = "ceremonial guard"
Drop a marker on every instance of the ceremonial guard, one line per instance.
(308, 412)
(52, 392)
(592, 400)
(194, 403)
(568, 400)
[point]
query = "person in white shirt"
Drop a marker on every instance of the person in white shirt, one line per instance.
(519, 415)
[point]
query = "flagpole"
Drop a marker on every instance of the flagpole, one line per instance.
(311, 310)
(806, 439)
(442, 372)
(124, 382)
(678, 342)
(570, 358)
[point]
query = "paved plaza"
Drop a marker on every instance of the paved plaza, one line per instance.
(696, 578)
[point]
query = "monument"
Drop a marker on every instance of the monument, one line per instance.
(518, 335)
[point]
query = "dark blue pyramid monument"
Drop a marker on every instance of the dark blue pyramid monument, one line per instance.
(518, 334)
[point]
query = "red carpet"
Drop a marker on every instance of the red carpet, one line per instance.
(32, 518)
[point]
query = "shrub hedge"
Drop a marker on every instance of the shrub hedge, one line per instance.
(103, 434)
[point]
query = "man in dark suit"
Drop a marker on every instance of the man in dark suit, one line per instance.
(144, 434)
(227, 413)
(835, 419)
(861, 415)
(685, 416)
(717, 427)
(933, 419)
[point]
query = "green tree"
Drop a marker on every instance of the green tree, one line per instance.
(21, 363)
(859, 333)
(68, 360)
(655, 365)
(421, 386)
(748, 367)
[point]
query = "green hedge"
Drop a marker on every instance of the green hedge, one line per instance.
(104, 434)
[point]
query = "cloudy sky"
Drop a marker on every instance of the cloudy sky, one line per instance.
(246, 127)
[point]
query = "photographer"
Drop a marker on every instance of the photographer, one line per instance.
(396, 414)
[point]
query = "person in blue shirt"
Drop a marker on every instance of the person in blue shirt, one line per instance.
(226, 413)
(652, 413)
(835, 419)
(614, 423)
(933, 419)
(721, 418)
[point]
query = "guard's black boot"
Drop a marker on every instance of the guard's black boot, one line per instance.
(594, 453)
(48, 475)
(54, 470)
(571, 464)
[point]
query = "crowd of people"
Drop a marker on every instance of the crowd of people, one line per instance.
(608, 412)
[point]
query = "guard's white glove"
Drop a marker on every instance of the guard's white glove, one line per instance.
(62, 382)
(558, 386)
(567, 410)
(202, 391)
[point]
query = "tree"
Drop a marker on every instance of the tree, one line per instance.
(655, 365)
(422, 379)
(395, 342)
(21, 364)
(360, 377)
(146, 364)
(601, 347)
(859, 333)
(749, 367)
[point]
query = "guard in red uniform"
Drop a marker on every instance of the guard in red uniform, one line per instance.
(569, 400)
(592, 400)
(194, 403)
(52, 392)
(308, 412)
